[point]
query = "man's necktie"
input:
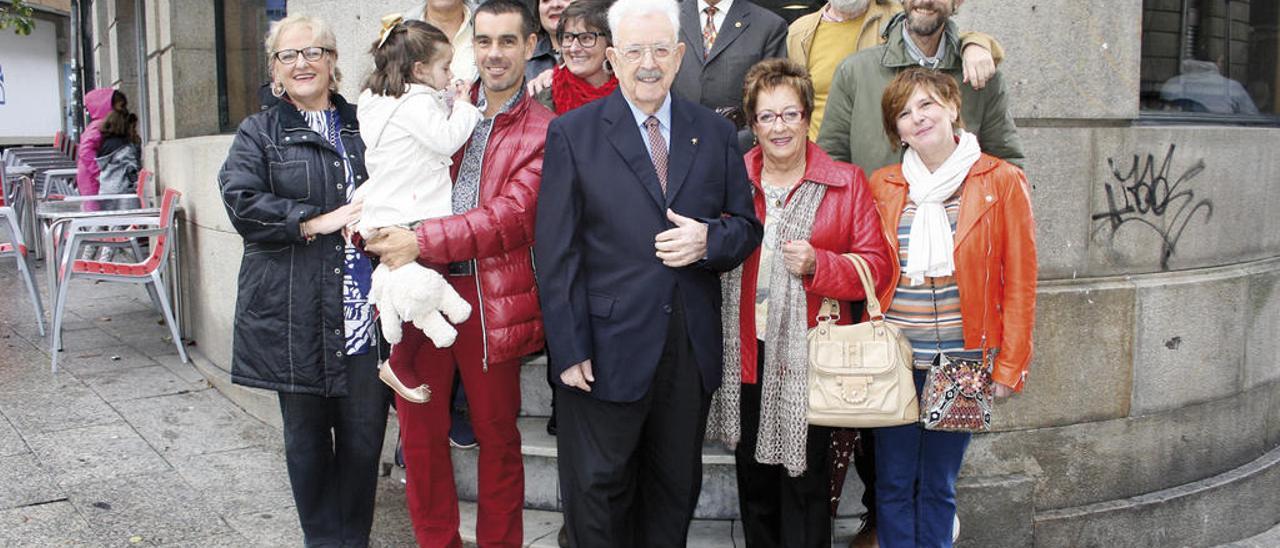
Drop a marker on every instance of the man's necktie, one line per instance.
(657, 151)
(709, 31)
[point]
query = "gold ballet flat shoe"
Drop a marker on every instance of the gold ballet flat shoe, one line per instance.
(421, 394)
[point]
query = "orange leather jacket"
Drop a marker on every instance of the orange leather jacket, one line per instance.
(996, 245)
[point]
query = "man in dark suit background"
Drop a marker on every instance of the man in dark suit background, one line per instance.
(644, 201)
(740, 34)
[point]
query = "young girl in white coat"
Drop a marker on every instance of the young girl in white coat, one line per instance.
(412, 119)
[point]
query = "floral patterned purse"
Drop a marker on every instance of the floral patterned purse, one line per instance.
(957, 394)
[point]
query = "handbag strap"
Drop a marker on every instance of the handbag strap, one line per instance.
(830, 309)
(868, 285)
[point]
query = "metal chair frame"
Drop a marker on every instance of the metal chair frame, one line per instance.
(17, 248)
(149, 271)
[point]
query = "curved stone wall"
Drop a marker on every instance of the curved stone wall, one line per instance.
(1156, 363)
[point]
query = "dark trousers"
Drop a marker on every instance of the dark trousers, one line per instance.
(631, 473)
(864, 463)
(917, 473)
(332, 446)
(777, 509)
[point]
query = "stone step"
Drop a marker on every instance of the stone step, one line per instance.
(541, 528)
(535, 393)
(719, 499)
(1232, 505)
(1267, 539)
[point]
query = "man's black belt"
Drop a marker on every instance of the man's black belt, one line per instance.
(462, 268)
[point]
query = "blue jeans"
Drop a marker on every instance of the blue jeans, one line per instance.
(916, 483)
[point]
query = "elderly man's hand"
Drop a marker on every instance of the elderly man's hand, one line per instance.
(394, 246)
(683, 245)
(579, 376)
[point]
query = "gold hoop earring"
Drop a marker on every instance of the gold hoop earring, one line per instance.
(277, 89)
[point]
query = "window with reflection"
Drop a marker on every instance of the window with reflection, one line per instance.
(239, 27)
(1211, 59)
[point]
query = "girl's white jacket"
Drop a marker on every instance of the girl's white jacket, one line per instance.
(410, 141)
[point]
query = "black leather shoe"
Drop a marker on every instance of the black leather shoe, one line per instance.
(563, 537)
(551, 425)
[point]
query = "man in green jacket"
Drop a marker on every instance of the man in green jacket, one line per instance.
(924, 35)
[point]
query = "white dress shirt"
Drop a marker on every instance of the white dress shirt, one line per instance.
(722, 8)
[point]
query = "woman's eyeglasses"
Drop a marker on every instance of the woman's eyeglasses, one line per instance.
(311, 54)
(789, 117)
(585, 39)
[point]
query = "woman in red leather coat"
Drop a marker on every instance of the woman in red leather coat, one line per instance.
(815, 210)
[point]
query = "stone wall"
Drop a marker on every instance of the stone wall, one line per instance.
(182, 82)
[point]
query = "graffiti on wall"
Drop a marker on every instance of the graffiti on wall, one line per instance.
(1142, 195)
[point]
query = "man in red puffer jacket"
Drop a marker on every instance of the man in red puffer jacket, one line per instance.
(486, 245)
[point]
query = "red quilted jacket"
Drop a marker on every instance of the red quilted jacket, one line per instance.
(499, 232)
(846, 222)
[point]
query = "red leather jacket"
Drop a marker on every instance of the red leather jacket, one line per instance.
(996, 246)
(499, 232)
(846, 222)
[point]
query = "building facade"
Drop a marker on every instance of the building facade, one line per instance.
(1152, 412)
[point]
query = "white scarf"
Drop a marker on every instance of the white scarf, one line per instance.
(930, 249)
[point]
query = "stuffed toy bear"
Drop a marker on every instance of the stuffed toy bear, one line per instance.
(415, 293)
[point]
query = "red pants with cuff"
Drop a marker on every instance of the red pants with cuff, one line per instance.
(494, 400)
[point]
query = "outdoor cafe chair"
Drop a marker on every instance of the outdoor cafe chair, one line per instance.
(141, 198)
(148, 271)
(17, 248)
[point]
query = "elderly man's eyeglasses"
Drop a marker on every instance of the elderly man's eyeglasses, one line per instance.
(789, 117)
(635, 53)
(290, 56)
(585, 39)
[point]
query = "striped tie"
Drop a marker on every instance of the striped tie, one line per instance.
(657, 151)
(709, 32)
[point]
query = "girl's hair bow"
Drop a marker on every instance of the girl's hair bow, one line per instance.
(389, 23)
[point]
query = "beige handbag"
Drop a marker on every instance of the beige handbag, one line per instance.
(860, 375)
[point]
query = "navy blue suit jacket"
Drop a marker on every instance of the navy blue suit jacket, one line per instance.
(605, 295)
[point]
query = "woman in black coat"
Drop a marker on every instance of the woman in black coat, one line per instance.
(303, 326)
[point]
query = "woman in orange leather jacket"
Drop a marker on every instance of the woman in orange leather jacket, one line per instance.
(960, 223)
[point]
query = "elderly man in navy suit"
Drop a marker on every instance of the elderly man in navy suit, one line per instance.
(644, 202)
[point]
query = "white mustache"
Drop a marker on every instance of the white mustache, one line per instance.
(643, 74)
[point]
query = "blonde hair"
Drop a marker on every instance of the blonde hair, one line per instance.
(320, 33)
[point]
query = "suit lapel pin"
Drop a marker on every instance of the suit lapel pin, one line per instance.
(693, 141)
(737, 24)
